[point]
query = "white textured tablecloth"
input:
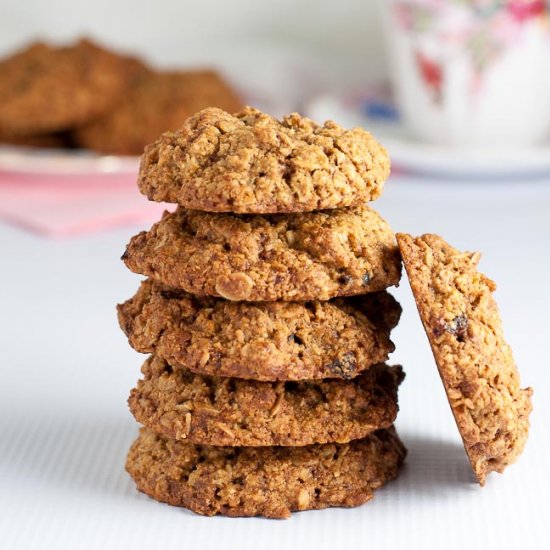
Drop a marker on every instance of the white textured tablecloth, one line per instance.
(67, 370)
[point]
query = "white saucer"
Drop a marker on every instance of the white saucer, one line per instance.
(27, 160)
(411, 155)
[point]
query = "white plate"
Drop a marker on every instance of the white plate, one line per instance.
(412, 155)
(27, 160)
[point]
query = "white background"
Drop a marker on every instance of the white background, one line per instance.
(346, 34)
(67, 370)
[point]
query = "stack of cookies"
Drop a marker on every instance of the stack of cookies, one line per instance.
(266, 317)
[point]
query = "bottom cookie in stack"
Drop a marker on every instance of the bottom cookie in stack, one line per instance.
(215, 444)
(266, 481)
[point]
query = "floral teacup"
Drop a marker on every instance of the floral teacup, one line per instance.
(471, 72)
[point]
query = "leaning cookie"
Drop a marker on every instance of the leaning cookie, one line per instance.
(45, 88)
(263, 481)
(212, 410)
(313, 256)
(461, 320)
(252, 163)
(159, 101)
(262, 341)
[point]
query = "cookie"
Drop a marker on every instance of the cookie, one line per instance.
(463, 326)
(212, 410)
(45, 89)
(263, 481)
(253, 163)
(291, 257)
(262, 341)
(160, 101)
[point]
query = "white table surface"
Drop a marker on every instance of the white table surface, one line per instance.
(67, 370)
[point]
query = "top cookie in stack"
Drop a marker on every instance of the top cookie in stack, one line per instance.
(251, 163)
(316, 238)
(262, 396)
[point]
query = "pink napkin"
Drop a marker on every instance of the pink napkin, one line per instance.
(66, 204)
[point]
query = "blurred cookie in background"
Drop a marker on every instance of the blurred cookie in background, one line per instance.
(84, 95)
(160, 101)
(46, 89)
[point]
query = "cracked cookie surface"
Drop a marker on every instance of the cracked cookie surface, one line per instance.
(263, 481)
(252, 163)
(290, 257)
(262, 341)
(214, 410)
(463, 325)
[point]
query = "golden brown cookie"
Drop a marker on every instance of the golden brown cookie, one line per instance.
(263, 481)
(313, 256)
(212, 410)
(262, 341)
(252, 163)
(160, 101)
(461, 320)
(45, 89)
